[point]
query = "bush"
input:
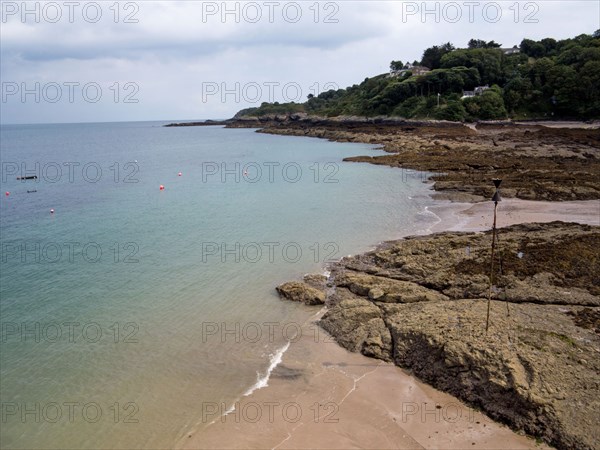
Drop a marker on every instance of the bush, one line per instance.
(454, 111)
(491, 105)
(409, 108)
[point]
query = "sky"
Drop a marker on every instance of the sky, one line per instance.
(108, 61)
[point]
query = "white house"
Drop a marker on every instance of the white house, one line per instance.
(511, 51)
(478, 91)
(415, 70)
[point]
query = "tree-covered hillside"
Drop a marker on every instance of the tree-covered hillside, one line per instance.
(539, 79)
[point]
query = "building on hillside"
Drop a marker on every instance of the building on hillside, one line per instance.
(511, 51)
(415, 70)
(419, 70)
(478, 91)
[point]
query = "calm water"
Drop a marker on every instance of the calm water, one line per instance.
(129, 308)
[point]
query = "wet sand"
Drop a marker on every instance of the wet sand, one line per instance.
(322, 396)
(479, 216)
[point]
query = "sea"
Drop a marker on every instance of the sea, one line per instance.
(139, 264)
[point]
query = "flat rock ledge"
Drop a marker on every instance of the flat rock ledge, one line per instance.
(421, 303)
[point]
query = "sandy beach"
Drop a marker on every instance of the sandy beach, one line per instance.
(322, 396)
(479, 216)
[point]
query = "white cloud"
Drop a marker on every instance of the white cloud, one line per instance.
(175, 47)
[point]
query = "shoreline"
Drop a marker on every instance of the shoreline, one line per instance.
(477, 217)
(558, 123)
(323, 396)
(535, 162)
(327, 382)
(319, 374)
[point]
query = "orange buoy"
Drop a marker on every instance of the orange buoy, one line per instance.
(162, 188)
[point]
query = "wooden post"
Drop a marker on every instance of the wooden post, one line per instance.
(496, 198)
(487, 320)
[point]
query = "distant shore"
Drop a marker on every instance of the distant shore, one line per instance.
(537, 160)
(245, 120)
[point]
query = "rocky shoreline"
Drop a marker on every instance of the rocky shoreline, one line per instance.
(536, 162)
(421, 303)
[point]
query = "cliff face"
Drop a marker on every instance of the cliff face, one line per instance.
(421, 302)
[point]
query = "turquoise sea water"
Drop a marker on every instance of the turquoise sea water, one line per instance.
(129, 307)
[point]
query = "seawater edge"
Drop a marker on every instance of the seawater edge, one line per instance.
(170, 290)
(460, 216)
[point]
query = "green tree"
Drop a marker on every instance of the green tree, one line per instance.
(566, 90)
(517, 93)
(476, 43)
(409, 108)
(590, 80)
(433, 55)
(479, 43)
(396, 65)
(491, 104)
(549, 46)
(488, 62)
(453, 110)
(532, 48)
(559, 77)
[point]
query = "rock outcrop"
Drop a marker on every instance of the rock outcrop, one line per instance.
(535, 369)
(536, 162)
(421, 302)
(358, 325)
(301, 292)
(316, 281)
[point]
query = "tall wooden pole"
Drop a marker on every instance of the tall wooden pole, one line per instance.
(496, 198)
(487, 320)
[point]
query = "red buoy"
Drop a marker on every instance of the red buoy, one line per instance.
(179, 174)
(162, 188)
(7, 193)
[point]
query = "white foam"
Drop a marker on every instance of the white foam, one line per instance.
(427, 212)
(263, 381)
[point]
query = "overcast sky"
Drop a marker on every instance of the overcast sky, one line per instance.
(104, 61)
